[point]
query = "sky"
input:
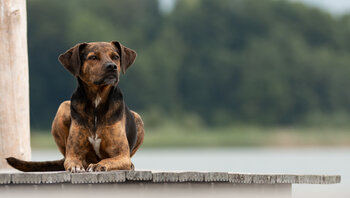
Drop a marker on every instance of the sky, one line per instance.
(336, 7)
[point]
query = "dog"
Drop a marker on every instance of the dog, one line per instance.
(95, 130)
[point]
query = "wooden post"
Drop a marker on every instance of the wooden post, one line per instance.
(14, 83)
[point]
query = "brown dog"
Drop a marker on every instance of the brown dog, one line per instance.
(95, 130)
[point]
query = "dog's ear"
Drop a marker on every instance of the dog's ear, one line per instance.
(127, 56)
(71, 58)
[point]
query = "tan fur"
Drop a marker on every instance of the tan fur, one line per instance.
(93, 142)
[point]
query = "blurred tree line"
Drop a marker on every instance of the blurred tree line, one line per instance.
(269, 62)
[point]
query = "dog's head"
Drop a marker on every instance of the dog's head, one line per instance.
(98, 63)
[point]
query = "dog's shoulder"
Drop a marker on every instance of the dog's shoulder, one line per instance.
(122, 110)
(130, 127)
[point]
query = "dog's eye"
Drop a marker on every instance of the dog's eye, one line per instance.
(92, 58)
(115, 57)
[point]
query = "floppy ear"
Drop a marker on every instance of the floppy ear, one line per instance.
(127, 56)
(71, 58)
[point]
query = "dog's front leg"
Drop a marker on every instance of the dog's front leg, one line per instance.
(76, 149)
(119, 162)
(115, 144)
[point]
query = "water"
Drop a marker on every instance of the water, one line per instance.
(248, 160)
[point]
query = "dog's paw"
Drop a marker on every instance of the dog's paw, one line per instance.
(74, 168)
(96, 168)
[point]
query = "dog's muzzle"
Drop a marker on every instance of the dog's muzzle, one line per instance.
(111, 79)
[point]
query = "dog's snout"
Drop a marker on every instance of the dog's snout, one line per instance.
(111, 67)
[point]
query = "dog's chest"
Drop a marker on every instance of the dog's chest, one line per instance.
(96, 143)
(97, 100)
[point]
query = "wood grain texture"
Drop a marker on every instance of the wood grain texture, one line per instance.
(14, 83)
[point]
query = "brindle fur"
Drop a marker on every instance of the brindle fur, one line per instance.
(96, 110)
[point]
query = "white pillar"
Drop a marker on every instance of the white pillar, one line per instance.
(14, 83)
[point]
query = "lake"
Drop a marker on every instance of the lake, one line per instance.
(248, 160)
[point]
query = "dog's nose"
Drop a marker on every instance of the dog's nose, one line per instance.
(111, 66)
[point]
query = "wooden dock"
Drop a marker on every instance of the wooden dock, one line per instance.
(155, 184)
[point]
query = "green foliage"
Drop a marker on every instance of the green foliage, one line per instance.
(207, 62)
(175, 135)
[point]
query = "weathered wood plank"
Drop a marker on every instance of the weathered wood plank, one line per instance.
(163, 177)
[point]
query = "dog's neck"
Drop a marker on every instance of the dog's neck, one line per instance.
(90, 104)
(96, 94)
